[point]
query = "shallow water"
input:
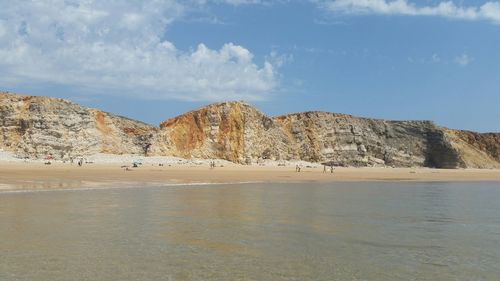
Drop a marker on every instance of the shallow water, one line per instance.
(340, 231)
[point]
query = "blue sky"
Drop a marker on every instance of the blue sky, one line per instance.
(152, 60)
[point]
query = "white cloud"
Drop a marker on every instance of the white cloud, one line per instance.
(245, 2)
(489, 11)
(117, 47)
(279, 59)
(241, 2)
(435, 58)
(463, 60)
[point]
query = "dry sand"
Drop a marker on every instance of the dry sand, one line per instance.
(36, 175)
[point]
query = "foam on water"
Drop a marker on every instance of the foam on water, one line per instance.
(9, 189)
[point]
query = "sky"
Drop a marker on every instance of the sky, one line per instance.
(154, 59)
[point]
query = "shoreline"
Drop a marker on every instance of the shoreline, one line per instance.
(19, 176)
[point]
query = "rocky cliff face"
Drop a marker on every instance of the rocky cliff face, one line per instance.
(38, 126)
(236, 131)
(352, 141)
(233, 131)
(476, 150)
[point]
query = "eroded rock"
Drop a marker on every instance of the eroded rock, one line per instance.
(236, 131)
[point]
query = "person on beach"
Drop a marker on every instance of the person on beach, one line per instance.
(331, 169)
(324, 169)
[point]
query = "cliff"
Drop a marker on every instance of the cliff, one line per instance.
(236, 131)
(352, 141)
(476, 150)
(38, 126)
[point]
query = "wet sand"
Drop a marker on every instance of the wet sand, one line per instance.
(15, 176)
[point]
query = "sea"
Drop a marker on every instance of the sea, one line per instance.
(258, 231)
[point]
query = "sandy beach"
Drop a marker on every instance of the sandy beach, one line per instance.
(36, 175)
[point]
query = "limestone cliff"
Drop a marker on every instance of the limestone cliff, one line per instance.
(476, 150)
(353, 141)
(238, 132)
(38, 126)
(235, 131)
